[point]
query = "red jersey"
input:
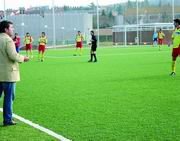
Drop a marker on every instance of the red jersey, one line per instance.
(17, 41)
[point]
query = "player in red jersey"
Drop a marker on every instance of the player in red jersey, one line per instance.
(28, 44)
(79, 43)
(42, 46)
(16, 40)
(176, 45)
(161, 36)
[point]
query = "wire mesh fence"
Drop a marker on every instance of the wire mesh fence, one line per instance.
(134, 19)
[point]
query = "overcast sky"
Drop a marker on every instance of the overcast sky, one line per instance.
(15, 4)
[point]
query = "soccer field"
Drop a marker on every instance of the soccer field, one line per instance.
(127, 95)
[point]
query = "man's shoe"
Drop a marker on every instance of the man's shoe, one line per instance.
(172, 74)
(9, 123)
(95, 60)
(90, 61)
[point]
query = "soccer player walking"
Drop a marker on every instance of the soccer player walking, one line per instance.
(176, 45)
(93, 47)
(42, 46)
(79, 43)
(28, 44)
(161, 36)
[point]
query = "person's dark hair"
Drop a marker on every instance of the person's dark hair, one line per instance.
(3, 25)
(44, 33)
(92, 31)
(177, 21)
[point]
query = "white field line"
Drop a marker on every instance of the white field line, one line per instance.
(113, 54)
(59, 46)
(37, 126)
(88, 47)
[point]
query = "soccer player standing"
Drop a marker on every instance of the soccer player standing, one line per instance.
(176, 45)
(16, 40)
(42, 46)
(93, 47)
(79, 43)
(155, 36)
(161, 36)
(28, 44)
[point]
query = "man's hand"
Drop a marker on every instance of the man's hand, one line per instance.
(26, 59)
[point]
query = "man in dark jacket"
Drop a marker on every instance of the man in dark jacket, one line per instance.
(93, 47)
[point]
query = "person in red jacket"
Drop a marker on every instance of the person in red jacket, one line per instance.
(17, 40)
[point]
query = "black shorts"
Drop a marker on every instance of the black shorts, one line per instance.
(155, 39)
(93, 48)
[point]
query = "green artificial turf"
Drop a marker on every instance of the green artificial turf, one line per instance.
(127, 95)
(22, 132)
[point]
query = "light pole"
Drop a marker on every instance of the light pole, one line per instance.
(5, 10)
(62, 34)
(97, 7)
(125, 36)
(54, 24)
(22, 26)
(75, 30)
(173, 9)
(137, 21)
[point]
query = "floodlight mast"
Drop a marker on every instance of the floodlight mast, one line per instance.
(5, 10)
(137, 21)
(97, 7)
(54, 25)
(125, 36)
(173, 10)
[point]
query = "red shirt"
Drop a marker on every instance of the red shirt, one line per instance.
(17, 41)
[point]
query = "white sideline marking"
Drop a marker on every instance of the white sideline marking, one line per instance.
(37, 126)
